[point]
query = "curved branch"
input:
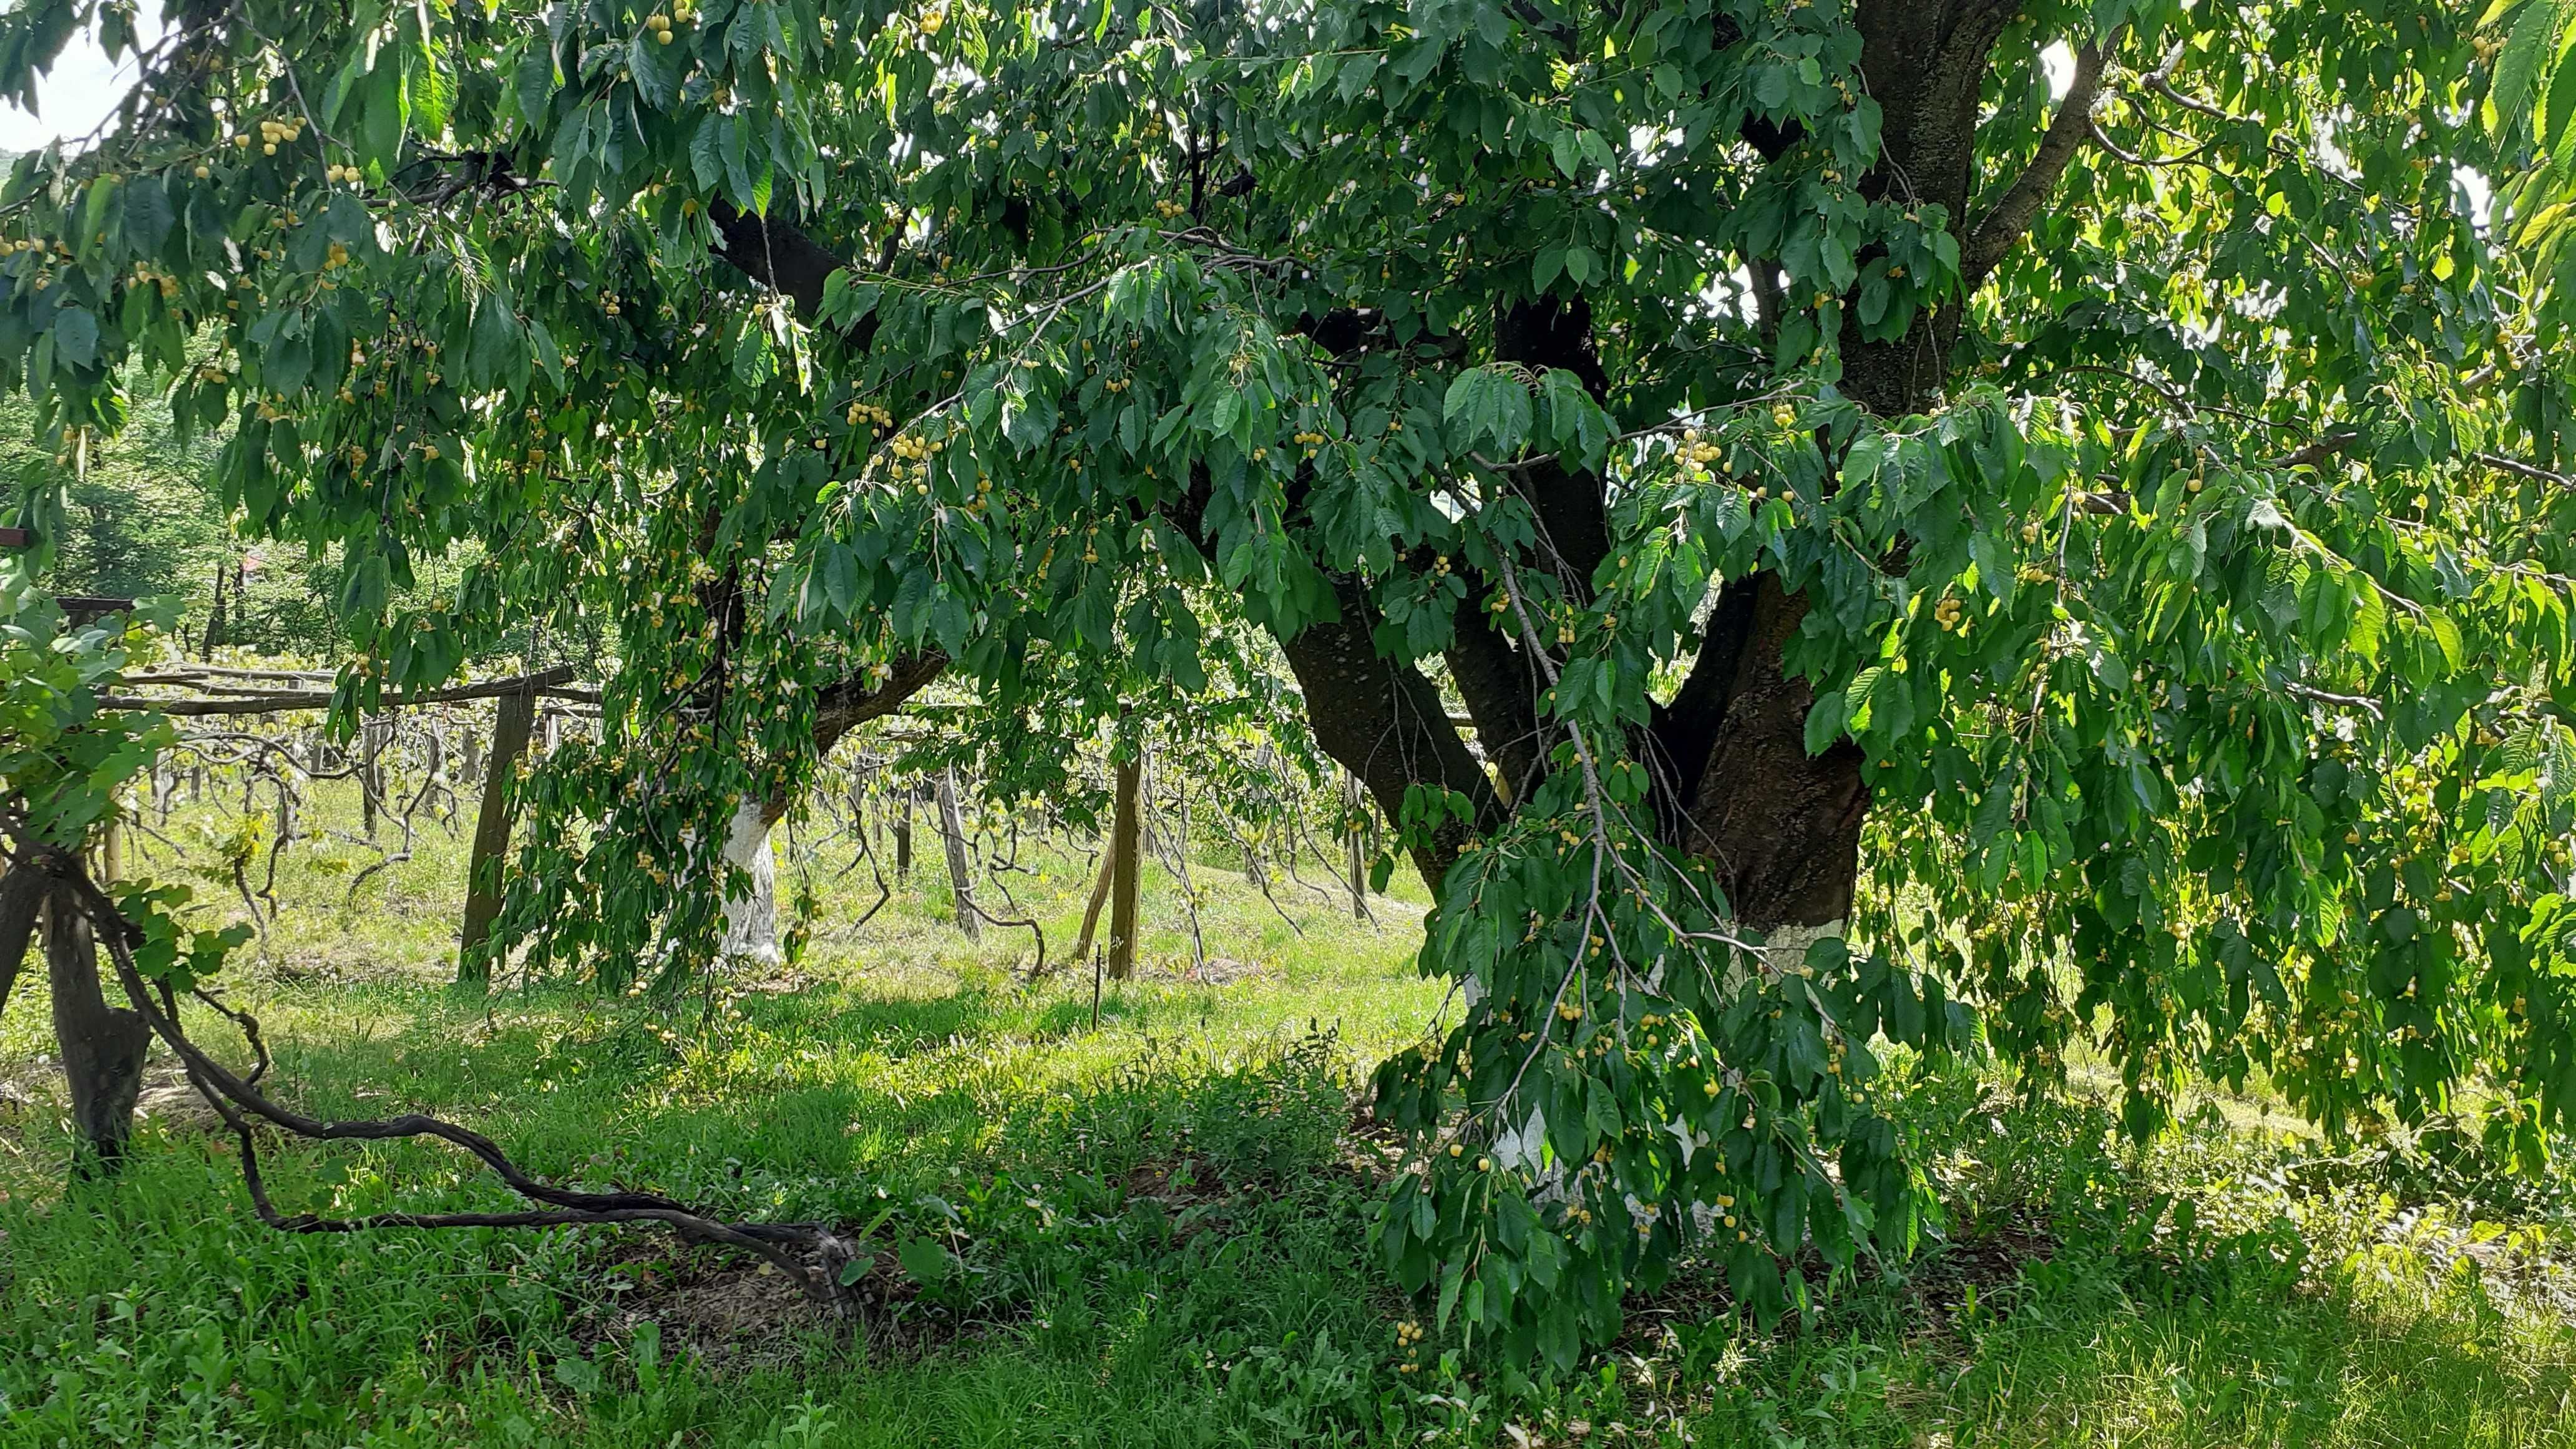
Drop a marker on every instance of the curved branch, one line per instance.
(809, 1253)
(2014, 211)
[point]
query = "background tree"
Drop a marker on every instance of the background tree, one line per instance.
(2100, 457)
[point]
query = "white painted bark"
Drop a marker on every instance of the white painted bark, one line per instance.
(751, 920)
(1787, 946)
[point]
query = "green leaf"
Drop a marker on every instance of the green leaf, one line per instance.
(497, 346)
(925, 1260)
(534, 80)
(148, 217)
(1825, 721)
(75, 333)
(2531, 41)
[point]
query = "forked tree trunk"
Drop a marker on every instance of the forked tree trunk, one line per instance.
(102, 1046)
(1126, 854)
(961, 875)
(1781, 826)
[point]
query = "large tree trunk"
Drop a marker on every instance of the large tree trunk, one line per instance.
(961, 874)
(1126, 857)
(1781, 826)
(22, 896)
(511, 726)
(102, 1046)
(1733, 778)
(751, 919)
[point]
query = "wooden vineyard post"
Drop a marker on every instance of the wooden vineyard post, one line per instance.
(961, 878)
(511, 725)
(371, 774)
(1351, 844)
(1126, 855)
(903, 834)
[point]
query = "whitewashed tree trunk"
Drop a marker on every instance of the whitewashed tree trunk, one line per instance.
(751, 921)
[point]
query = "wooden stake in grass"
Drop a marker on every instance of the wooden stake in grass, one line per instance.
(961, 878)
(511, 727)
(1351, 842)
(903, 836)
(1126, 854)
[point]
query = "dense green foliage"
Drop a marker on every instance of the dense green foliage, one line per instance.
(139, 519)
(2173, 521)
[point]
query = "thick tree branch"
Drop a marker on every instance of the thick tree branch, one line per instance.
(854, 701)
(1571, 507)
(2010, 217)
(1378, 717)
(843, 707)
(775, 252)
(1684, 732)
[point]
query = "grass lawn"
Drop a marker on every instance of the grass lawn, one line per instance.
(1148, 1232)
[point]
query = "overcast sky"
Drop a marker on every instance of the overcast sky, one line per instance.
(79, 92)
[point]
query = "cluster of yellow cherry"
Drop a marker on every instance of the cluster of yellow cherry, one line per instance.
(272, 134)
(1696, 452)
(911, 460)
(1409, 1336)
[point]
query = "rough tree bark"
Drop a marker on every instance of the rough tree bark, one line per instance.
(1126, 855)
(102, 1046)
(511, 726)
(22, 896)
(961, 871)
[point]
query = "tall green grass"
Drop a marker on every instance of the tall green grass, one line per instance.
(1152, 1231)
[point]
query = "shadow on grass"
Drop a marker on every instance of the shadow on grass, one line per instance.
(1142, 1243)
